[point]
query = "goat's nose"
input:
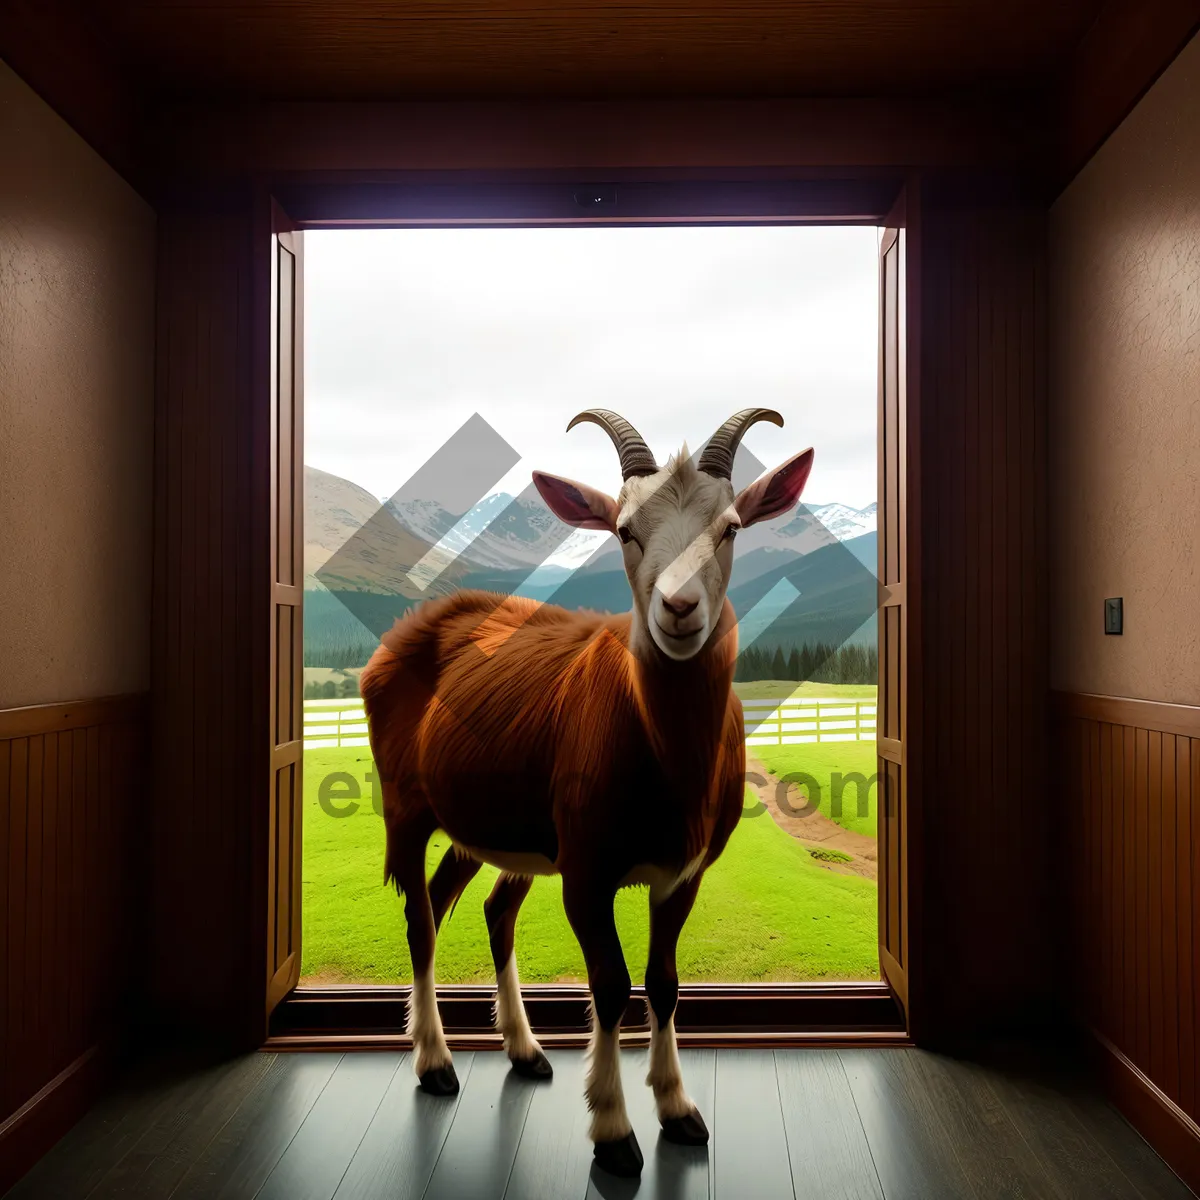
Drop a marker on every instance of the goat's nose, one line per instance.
(679, 606)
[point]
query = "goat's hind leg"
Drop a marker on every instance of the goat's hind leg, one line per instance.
(407, 839)
(454, 871)
(680, 1119)
(590, 911)
(500, 911)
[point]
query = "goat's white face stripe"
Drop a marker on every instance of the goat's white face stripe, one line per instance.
(676, 520)
(688, 565)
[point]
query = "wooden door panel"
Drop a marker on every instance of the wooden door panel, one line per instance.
(893, 613)
(287, 628)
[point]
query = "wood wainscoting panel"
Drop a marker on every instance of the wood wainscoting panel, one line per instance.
(72, 841)
(1129, 848)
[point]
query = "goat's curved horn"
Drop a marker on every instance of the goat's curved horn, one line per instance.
(636, 458)
(717, 457)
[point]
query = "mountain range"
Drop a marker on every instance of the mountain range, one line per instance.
(379, 557)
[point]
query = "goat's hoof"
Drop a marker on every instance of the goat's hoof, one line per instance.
(623, 1157)
(439, 1081)
(533, 1068)
(688, 1130)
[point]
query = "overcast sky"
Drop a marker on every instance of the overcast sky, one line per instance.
(409, 332)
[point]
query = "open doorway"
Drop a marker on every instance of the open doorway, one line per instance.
(413, 337)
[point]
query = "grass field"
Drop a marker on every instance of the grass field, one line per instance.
(766, 912)
(821, 762)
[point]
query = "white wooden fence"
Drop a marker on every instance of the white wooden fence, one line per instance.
(768, 722)
(808, 719)
(335, 723)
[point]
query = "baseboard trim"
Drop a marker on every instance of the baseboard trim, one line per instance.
(1181, 719)
(1167, 1128)
(45, 1117)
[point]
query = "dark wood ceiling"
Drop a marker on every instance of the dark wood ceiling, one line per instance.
(389, 49)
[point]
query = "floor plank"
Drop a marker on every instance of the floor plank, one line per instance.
(750, 1150)
(238, 1160)
(106, 1134)
(845, 1125)
(157, 1162)
(827, 1145)
(671, 1172)
(554, 1155)
(994, 1156)
(316, 1159)
(403, 1142)
(478, 1153)
(1081, 1139)
(1068, 1096)
(1074, 1162)
(1138, 1161)
(914, 1156)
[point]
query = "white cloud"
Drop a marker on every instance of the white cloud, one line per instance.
(408, 332)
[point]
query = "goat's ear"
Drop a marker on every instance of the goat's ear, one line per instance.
(775, 493)
(576, 503)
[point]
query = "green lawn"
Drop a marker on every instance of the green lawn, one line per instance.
(766, 911)
(821, 761)
(781, 689)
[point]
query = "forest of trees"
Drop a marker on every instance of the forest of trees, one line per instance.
(331, 689)
(337, 649)
(820, 662)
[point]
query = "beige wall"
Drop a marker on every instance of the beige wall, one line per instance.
(77, 252)
(1125, 404)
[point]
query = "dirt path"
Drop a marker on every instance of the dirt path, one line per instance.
(815, 828)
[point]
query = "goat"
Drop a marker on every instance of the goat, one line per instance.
(606, 749)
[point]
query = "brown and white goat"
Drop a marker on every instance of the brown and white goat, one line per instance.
(606, 749)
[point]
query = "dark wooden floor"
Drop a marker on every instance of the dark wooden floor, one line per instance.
(825, 1124)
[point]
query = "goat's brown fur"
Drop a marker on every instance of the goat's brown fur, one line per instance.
(527, 728)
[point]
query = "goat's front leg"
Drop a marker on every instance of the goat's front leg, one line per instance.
(589, 908)
(680, 1119)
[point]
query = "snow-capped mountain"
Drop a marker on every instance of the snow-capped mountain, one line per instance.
(367, 561)
(518, 536)
(504, 532)
(501, 532)
(841, 520)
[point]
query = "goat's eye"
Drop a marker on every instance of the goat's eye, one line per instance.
(730, 533)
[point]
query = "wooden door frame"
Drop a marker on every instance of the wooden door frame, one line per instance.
(281, 437)
(899, 587)
(801, 1013)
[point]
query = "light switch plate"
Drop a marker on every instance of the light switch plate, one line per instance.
(1114, 617)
